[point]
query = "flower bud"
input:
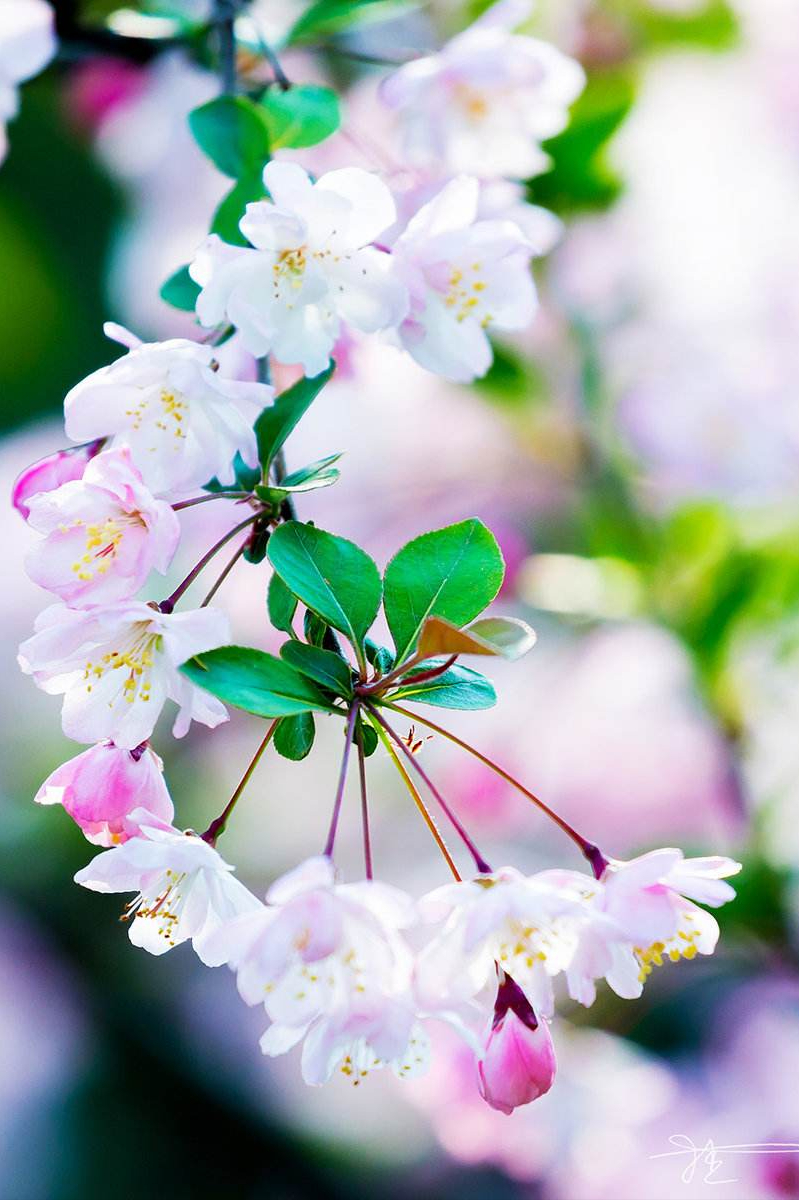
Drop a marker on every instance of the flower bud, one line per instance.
(49, 473)
(103, 785)
(518, 1063)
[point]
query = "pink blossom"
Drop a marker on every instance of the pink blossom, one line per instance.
(518, 1062)
(51, 472)
(102, 786)
(103, 533)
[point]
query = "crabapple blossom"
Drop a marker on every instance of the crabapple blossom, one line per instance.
(102, 786)
(518, 1060)
(181, 419)
(311, 267)
(330, 966)
(522, 923)
(51, 472)
(484, 103)
(103, 533)
(27, 43)
(464, 276)
(117, 665)
(186, 890)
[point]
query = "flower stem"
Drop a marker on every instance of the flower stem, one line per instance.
(380, 685)
(342, 779)
(221, 579)
(218, 826)
(479, 861)
(417, 799)
(367, 841)
(167, 605)
(588, 849)
(211, 496)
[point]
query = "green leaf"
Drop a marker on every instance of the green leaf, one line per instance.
(332, 576)
(712, 26)
(180, 290)
(277, 421)
(255, 547)
(314, 629)
(506, 637)
(323, 666)
(580, 177)
(257, 682)
(281, 604)
(294, 736)
(233, 132)
(456, 688)
(327, 17)
(245, 478)
(368, 738)
(231, 210)
(379, 656)
(303, 115)
(318, 474)
(451, 573)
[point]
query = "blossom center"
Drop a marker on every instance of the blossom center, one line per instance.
(682, 945)
(163, 411)
(102, 541)
(163, 903)
(135, 656)
(464, 293)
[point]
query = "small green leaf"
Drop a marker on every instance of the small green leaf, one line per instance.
(314, 629)
(232, 131)
(255, 547)
(231, 210)
(327, 17)
(281, 604)
(368, 738)
(323, 666)
(451, 573)
(245, 478)
(318, 474)
(257, 682)
(277, 421)
(180, 290)
(331, 575)
(303, 115)
(294, 736)
(456, 688)
(380, 657)
(507, 637)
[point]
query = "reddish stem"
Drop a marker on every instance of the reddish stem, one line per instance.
(342, 779)
(218, 826)
(166, 606)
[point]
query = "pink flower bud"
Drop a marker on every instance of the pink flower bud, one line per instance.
(518, 1064)
(49, 473)
(103, 785)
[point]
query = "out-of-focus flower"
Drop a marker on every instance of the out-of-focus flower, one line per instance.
(116, 667)
(486, 101)
(312, 267)
(185, 888)
(182, 420)
(103, 533)
(463, 276)
(99, 86)
(521, 923)
(101, 787)
(51, 472)
(329, 965)
(518, 1061)
(27, 43)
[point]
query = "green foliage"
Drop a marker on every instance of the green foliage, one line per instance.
(330, 575)
(257, 682)
(368, 737)
(314, 629)
(323, 666)
(300, 116)
(327, 17)
(451, 573)
(580, 177)
(180, 290)
(294, 736)
(231, 210)
(379, 656)
(281, 605)
(458, 687)
(278, 420)
(233, 132)
(711, 27)
(316, 475)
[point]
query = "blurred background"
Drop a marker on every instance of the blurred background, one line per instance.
(637, 454)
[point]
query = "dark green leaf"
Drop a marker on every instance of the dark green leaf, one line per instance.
(380, 657)
(232, 131)
(231, 210)
(245, 478)
(368, 738)
(277, 421)
(331, 575)
(452, 573)
(317, 474)
(257, 682)
(281, 604)
(323, 666)
(314, 629)
(327, 17)
(255, 549)
(180, 290)
(301, 116)
(456, 688)
(294, 736)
